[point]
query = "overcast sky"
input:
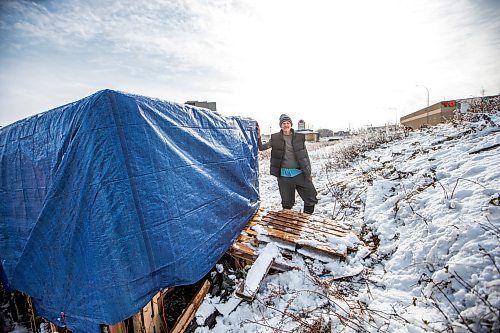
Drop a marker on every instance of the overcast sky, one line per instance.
(333, 64)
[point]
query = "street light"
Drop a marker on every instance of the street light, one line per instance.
(427, 93)
(427, 110)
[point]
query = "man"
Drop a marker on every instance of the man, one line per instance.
(290, 164)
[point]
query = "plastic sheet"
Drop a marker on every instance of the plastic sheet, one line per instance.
(106, 200)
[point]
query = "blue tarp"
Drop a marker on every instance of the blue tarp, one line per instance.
(108, 199)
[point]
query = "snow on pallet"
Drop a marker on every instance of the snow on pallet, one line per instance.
(257, 272)
(296, 232)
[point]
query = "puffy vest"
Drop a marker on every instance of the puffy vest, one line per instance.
(278, 151)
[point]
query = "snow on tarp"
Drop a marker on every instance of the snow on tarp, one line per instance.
(108, 199)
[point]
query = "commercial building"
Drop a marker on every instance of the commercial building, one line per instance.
(446, 110)
(431, 115)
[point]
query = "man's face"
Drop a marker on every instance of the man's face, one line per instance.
(286, 126)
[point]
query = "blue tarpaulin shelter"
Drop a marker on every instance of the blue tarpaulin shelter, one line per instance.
(108, 199)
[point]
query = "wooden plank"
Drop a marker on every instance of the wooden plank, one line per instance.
(299, 229)
(117, 328)
(300, 222)
(249, 287)
(250, 232)
(155, 324)
(295, 240)
(243, 248)
(242, 251)
(188, 314)
(241, 255)
(244, 238)
(148, 320)
(317, 225)
(308, 220)
(138, 322)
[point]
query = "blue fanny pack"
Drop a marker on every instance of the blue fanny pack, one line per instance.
(285, 172)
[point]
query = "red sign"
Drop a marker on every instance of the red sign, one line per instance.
(449, 104)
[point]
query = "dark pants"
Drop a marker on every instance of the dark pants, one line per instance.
(304, 186)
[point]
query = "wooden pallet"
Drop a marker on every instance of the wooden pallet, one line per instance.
(292, 229)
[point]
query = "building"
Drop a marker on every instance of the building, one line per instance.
(431, 115)
(309, 133)
(301, 125)
(207, 105)
(446, 110)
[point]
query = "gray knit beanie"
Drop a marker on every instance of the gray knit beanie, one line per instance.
(284, 117)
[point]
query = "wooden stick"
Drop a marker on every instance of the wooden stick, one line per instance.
(188, 314)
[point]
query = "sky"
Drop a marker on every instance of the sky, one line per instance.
(333, 64)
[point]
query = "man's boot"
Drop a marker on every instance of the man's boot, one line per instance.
(308, 209)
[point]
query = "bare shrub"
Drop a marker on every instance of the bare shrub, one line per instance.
(350, 149)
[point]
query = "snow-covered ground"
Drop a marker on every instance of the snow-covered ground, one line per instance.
(427, 207)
